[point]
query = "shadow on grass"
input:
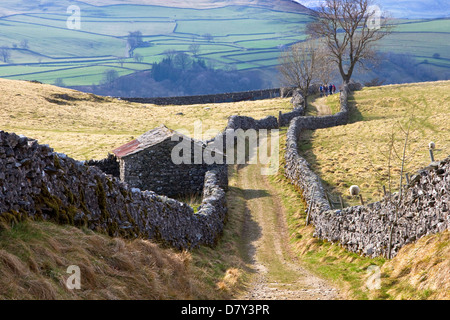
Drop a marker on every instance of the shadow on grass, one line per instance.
(354, 114)
(250, 231)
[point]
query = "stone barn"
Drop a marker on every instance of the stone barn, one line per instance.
(146, 163)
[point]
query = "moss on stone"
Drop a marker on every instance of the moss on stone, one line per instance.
(70, 196)
(110, 184)
(83, 200)
(56, 162)
(11, 218)
(113, 229)
(101, 196)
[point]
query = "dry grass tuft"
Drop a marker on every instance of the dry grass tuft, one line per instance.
(13, 264)
(230, 280)
(35, 256)
(421, 270)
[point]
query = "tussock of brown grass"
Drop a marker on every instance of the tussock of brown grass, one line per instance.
(13, 264)
(421, 270)
(230, 279)
(35, 256)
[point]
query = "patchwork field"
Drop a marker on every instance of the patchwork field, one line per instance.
(41, 47)
(231, 30)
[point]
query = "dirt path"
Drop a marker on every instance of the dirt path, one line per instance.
(321, 106)
(278, 275)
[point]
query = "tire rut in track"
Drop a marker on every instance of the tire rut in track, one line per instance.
(278, 275)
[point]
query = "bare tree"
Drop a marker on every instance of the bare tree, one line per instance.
(24, 44)
(121, 61)
(208, 37)
(138, 57)
(304, 64)
(5, 54)
(109, 76)
(195, 49)
(350, 28)
(170, 54)
(399, 154)
(182, 60)
(134, 40)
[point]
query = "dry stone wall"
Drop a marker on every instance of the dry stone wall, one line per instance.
(423, 210)
(247, 123)
(37, 183)
(109, 165)
(211, 98)
(367, 229)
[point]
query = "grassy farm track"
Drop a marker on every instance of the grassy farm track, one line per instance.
(278, 276)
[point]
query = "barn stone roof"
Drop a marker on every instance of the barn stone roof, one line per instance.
(148, 140)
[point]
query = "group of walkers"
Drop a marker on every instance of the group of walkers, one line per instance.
(327, 89)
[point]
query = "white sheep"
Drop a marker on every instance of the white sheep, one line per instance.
(354, 190)
(432, 145)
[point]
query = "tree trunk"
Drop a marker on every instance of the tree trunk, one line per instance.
(345, 85)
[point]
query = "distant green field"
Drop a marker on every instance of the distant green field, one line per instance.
(244, 37)
(54, 51)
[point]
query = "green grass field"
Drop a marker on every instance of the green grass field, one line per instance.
(234, 30)
(244, 37)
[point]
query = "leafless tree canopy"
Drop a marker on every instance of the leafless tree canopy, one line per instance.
(194, 49)
(5, 54)
(304, 64)
(350, 28)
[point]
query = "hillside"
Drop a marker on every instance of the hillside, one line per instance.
(85, 126)
(355, 155)
(34, 258)
(407, 9)
(81, 56)
(209, 4)
(49, 6)
(34, 255)
(233, 36)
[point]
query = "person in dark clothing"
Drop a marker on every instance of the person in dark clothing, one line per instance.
(326, 90)
(321, 91)
(330, 88)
